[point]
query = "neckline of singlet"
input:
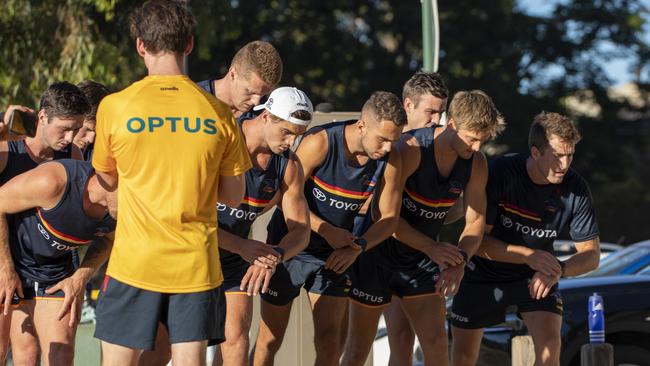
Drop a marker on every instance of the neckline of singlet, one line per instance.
(33, 156)
(353, 164)
(459, 159)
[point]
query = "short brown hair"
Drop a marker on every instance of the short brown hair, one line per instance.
(385, 106)
(63, 100)
(162, 25)
(547, 124)
(474, 111)
(94, 93)
(261, 58)
(423, 83)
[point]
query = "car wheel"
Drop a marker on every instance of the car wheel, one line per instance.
(628, 355)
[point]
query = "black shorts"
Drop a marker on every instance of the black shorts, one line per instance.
(480, 305)
(34, 290)
(129, 316)
(374, 282)
(233, 273)
(290, 276)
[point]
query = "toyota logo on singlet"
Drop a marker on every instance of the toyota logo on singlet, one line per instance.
(409, 204)
(506, 221)
(319, 194)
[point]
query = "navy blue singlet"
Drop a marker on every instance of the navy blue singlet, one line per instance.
(43, 241)
(336, 190)
(261, 186)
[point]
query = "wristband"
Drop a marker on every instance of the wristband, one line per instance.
(362, 243)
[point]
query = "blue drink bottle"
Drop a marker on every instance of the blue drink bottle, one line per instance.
(596, 319)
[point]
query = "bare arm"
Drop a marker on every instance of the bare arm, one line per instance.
(232, 189)
(311, 153)
(108, 180)
(28, 190)
(443, 254)
(73, 286)
(586, 259)
(253, 251)
(296, 215)
(498, 250)
(474, 202)
(389, 195)
(456, 212)
(295, 210)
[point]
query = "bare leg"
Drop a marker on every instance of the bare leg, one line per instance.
(328, 313)
(544, 327)
(273, 325)
(116, 355)
(56, 337)
(5, 328)
(189, 353)
(465, 346)
(427, 317)
(24, 341)
(361, 332)
(239, 314)
(162, 352)
(401, 336)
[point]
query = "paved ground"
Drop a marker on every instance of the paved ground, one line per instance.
(87, 347)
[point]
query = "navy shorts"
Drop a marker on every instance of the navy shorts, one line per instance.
(375, 280)
(290, 276)
(480, 305)
(129, 316)
(34, 290)
(233, 272)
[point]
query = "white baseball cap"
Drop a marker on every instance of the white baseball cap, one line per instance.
(284, 101)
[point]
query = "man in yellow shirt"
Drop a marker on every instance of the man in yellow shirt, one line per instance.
(175, 151)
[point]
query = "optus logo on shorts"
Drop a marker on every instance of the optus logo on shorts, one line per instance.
(172, 124)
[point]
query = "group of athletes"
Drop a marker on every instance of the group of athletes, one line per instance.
(360, 205)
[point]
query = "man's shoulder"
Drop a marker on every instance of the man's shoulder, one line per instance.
(511, 163)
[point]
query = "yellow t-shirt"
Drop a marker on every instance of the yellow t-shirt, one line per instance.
(169, 141)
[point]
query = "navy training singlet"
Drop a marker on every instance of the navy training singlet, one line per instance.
(525, 213)
(43, 241)
(261, 186)
(336, 190)
(427, 197)
(19, 160)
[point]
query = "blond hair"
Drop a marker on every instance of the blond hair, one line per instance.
(261, 58)
(474, 111)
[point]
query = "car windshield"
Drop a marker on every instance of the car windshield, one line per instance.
(618, 262)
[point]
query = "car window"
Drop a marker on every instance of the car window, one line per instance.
(628, 260)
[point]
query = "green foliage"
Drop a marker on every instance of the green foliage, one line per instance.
(46, 41)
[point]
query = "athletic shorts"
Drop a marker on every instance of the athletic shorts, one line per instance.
(34, 290)
(233, 273)
(290, 276)
(374, 282)
(129, 316)
(480, 305)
